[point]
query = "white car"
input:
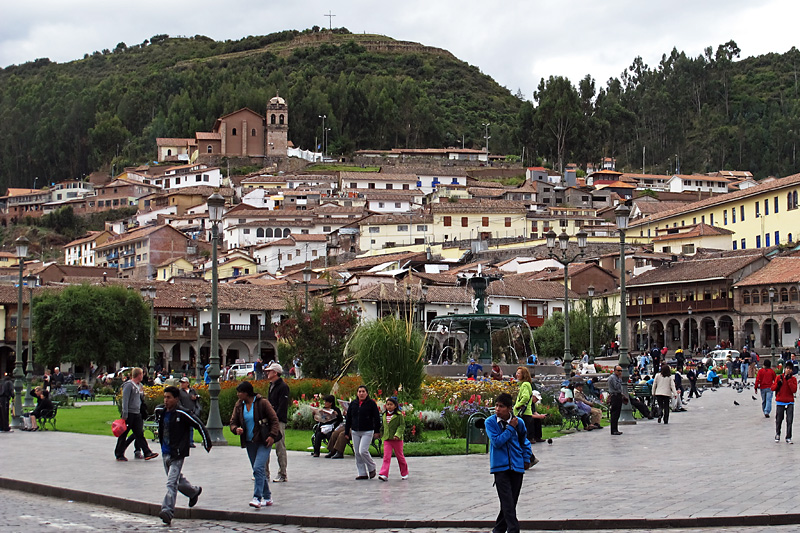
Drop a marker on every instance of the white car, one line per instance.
(719, 356)
(240, 370)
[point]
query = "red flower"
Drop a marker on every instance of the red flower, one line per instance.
(380, 392)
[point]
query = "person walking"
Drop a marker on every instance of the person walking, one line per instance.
(691, 375)
(764, 381)
(362, 424)
(175, 427)
(509, 457)
(190, 402)
(256, 423)
(393, 428)
(523, 407)
(6, 395)
(615, 399)
(279, 398)
(132, 400)
(785, 388)
(663, 391)
(745, 366)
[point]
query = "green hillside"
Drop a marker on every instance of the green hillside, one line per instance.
(65, 120)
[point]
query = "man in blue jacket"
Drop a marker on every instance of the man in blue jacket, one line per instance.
(509, 456)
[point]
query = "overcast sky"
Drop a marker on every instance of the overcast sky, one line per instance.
(517, 42)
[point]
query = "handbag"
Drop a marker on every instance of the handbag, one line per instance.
(119, 427)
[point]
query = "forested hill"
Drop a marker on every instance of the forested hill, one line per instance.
(65, 120)
(693, 114)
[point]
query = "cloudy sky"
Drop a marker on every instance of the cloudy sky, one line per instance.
(517, 42)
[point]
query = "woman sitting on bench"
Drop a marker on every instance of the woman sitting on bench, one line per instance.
(44, 405)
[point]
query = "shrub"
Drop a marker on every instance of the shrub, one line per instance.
(432, 419)
(456, 416)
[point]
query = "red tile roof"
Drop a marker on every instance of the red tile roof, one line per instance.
(779, 270)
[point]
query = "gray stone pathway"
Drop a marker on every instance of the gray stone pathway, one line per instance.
(706, 464)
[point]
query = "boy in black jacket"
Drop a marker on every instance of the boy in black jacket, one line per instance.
(174, 434)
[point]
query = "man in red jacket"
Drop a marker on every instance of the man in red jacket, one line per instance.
(764, 380)
(785, 388)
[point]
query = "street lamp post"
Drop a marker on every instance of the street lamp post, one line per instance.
(486, 136)
(216, 205)
(22, 251)
(323, 117)
(772, 324)
(193, 300)
(639, 339)
(565, 260)
(590, 290)
(149, 293)
(622, 212)
(306, 280)
(31, 282)
(689, 310)
(423, 299)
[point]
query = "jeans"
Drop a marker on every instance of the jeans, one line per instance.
(259, 457)
(779, 411)
(745, 368)
(615, 401)
(176, 482)
(361, 443)
(508, 484)
(766, 401)
(397, 447)
(663, 405)
(280, 451)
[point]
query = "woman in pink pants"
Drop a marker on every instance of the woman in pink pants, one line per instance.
(394, 425)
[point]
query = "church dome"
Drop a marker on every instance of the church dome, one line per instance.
(277, 100)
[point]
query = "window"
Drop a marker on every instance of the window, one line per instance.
(758, 209)
(389, 186)
(484, 221)
(233, 132)
(397, 205)
(784, 295)
(688, 248)
(404, 227)
(281, 119)
(725, 217)
(260, 232)
(766, 240)
(504, 310)
(508, 222)
(289, 257)
(422, 227)
(246, 231)
(694, 220)
(735, 245)
(766, 207)
(756, 297)
(374, 229)
(326, 229)
(272, 119)
(447, 221)
(562, 223)
(464, 222)
(405, 186)
(746, 297)
(758, 241)
(744, 244)
(381, 205)
(666, 249)
(703, 219)
(776, 205)
(741, 213)
(711, 217)
(253, 132)
(268, 232)
(370, 185)
(733, 215)
(777, 238)
(793, 294)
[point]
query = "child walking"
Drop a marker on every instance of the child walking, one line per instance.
(394, 425)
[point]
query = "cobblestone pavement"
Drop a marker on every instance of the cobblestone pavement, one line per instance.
(700, 465)
(22, 512)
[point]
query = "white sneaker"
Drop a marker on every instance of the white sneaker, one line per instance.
(778, 437)
(266, 502)
(256, 503)
(383, 478)
(789, 441)
(404, 477)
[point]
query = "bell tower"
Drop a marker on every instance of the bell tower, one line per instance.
(277, 142)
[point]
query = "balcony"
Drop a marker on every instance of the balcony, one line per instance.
(535, 321)
(11, 334)
(126, 253)
(240, 331)
(682, 307)
(112, 255)
(176, 333)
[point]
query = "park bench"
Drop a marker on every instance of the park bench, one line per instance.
(48, 416)
(570, 417)
(377, 442)
(151, 425)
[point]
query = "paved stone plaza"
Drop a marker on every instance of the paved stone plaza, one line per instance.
(713, 466)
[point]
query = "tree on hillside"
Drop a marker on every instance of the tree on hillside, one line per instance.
(85, 324)
(558, 113)
(317, 338)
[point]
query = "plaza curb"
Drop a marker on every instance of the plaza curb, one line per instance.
(152, 509)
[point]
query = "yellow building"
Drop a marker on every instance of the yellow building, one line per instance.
(388, 231)
(759, 217)
(232, 266)
(483, 219)
(172, 268)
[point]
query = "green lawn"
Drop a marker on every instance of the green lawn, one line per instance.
(96, 420)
